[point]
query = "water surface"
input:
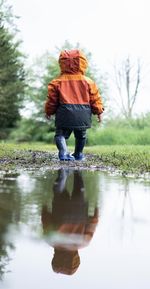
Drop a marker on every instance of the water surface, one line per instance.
(74, 229)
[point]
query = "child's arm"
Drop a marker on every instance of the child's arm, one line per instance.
(52, 99)
(95, 100)
(99, 116)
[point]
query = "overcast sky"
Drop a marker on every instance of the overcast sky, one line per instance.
(107, 28)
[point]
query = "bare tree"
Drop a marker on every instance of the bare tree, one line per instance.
(128, 81)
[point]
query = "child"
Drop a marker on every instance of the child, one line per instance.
(72, 97)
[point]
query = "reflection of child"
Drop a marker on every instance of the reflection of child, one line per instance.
(68, 227)
(72, 97)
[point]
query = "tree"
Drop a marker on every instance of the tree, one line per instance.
(128, 78)
(12, 73)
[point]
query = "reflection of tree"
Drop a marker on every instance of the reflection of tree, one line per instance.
(9, 213)
(126, 199)
(69, 224)
(123, 213)
(126, 210)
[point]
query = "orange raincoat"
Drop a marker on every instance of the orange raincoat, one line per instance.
(72, 96)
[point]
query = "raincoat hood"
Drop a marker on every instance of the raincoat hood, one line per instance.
(72, 61)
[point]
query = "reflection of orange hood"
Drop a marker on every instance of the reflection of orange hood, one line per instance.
(65, 262)
(72, 61)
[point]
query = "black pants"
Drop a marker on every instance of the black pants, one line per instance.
(66, 132)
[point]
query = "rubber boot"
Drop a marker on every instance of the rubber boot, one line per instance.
(62, 148)
(79, 145)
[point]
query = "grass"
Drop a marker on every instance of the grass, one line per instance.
(118, 136)
(127, 158)
(8, 149)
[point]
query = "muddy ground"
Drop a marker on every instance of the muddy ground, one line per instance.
(33, 160)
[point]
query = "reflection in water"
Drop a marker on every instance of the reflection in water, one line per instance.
(60, 209)
(68, 226)
(9, 214)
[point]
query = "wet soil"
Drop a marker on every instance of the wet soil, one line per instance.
(36, 159)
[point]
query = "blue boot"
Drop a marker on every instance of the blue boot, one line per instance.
(66, 157)
(79, 145)
(79, 156)
(62, 148)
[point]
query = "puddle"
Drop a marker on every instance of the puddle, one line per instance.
(72, 229)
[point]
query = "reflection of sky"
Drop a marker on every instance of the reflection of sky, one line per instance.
(117, 257)
(25, 183)
(125, 211)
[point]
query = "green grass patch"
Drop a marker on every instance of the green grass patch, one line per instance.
(8, 149)
(128, 158)
(118, 136)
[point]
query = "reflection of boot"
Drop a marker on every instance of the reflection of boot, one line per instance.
(60, 183)
(79, 145)
(62, 147)
(78, 185)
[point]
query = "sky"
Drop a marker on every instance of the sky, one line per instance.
(109, 29)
